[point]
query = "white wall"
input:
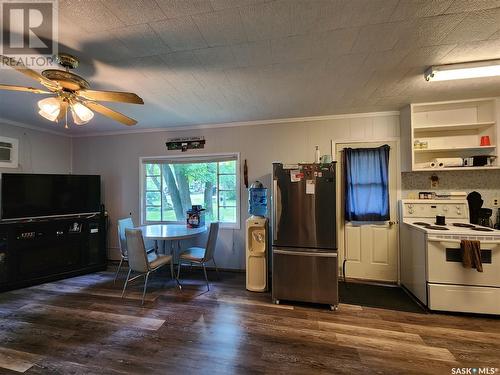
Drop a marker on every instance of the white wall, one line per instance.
(39, 152)
(116, 159)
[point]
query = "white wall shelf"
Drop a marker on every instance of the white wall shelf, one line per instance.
(455, 149)
(493, 167)
(449, 129)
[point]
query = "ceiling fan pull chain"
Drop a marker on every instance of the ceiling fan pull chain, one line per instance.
(66, 117)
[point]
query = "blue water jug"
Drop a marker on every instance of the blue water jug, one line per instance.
(257, 199)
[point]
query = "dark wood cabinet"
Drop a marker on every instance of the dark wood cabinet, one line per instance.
(38, 251)
(4, 260)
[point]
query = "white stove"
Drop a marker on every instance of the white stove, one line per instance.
(453, 227)
(431, 257)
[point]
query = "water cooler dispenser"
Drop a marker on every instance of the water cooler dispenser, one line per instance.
(257, 239)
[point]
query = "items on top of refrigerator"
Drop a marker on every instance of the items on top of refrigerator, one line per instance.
(317, 155)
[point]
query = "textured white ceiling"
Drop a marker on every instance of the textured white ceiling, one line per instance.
(201, 61)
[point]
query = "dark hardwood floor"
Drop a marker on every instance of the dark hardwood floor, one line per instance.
(82, 326)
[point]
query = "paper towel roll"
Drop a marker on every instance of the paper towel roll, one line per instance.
(449, 162)
(426, 165)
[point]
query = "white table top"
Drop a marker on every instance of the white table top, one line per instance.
(170, 231)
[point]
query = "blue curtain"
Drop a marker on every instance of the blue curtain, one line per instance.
(367, 183)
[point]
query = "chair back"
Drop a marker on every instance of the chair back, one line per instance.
(137, 257)
(122, 239)
(211, 242)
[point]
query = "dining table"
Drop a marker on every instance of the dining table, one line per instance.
(170, 233)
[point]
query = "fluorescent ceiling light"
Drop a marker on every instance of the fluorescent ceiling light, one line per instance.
(476, 69)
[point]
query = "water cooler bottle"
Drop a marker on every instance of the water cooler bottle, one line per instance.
(256, 238)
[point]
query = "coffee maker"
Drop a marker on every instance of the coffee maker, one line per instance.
(484, 217)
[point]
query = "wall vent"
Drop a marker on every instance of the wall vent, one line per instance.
(9, 151)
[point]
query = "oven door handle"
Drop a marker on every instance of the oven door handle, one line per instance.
(430, 239)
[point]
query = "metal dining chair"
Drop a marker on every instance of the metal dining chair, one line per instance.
(200, 255)
(138, 260)
(124, 224)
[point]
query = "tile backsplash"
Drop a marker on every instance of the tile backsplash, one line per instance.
(486, 183)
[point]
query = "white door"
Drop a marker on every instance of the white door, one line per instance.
(370, 250)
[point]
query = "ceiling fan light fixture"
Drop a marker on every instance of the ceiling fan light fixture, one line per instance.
(73, 93)
(475, 69)
(81, 114)
(49, 108)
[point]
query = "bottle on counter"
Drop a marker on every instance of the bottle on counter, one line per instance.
(317, 155)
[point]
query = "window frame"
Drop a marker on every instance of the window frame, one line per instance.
(196, 158)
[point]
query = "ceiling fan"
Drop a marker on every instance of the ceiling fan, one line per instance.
(72, 92)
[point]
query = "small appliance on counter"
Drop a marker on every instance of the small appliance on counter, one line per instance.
(475, 203)
(484, 217)
(497, 223)
(257, 239)
(478, 214)
(195, 216)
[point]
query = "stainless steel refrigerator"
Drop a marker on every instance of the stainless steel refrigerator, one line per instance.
(304, 241)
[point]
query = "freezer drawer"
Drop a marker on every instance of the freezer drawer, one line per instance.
(462, 298)
(304, 275)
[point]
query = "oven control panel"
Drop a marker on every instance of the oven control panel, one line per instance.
(457, 210)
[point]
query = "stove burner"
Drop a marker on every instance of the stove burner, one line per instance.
(482, 229)
(463, 225)
(421, 223)
(436, 227)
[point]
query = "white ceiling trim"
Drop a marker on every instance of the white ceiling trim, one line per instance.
(240, 123)
(32, 127)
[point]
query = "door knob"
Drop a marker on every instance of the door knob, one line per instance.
(392, 222)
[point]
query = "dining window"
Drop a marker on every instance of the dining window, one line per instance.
(172, 185)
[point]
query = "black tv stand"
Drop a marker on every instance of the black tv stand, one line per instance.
(40, 250)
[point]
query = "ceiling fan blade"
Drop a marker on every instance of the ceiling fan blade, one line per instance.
(63, 110)
(19, 66)
(108, 112)
(23, 88)
(110, 96)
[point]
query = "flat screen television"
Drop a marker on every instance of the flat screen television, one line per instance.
(26, 195)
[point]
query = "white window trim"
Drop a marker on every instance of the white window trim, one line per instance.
(144, 159)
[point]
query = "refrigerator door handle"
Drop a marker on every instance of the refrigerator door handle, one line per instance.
(304, 253)
(276, 211)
